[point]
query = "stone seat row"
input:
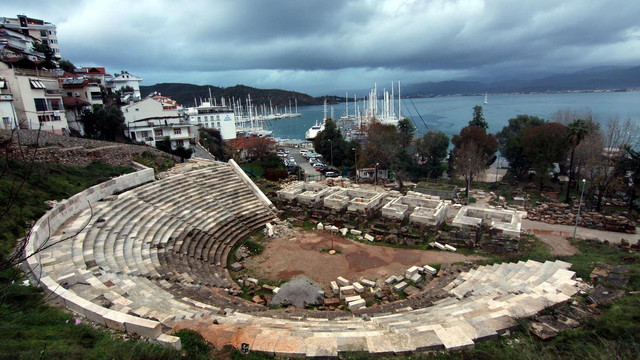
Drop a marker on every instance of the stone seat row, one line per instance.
(130, 236)
(108, 251)
(451, 323)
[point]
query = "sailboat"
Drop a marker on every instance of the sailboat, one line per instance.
(485, 99)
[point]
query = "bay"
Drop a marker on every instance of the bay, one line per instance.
(450, 114)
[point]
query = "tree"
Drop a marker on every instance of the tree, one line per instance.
(104, 123)
(180, 151)
(478, 118)
(510, 138)
(628, 167)
(432, 149)
(382, 146)
(474, 151)
(331, 144)
(601, 172)
(545, 145)
(67, 66)
(44, 49)
(211, 139)
(576, 131)
(405, 132)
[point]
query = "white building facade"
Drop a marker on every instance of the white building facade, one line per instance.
(7, 111)
(210, 116)
(155, 118)
(123, 80)
(39, 29)
(37, 98)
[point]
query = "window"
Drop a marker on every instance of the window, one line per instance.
(218, 124)
(206, 118)
(3, 84)
(41, 104)
(177, 131)
(6, 120)
(55, 104)
(43, 33)
(158, 132)
(144, 134)
(218, 118)
(185, 143)
(36, 84)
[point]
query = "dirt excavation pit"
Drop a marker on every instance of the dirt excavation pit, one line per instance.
(307, 253)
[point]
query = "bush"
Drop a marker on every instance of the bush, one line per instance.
(275, 174)
(193, 344)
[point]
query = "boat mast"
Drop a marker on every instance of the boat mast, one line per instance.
(399, 102)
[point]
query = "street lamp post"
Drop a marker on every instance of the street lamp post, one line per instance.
(355, 156)
(469, 183)
(375, 187)
(497, 167)
(575, 228)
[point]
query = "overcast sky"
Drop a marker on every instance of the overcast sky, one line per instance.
(330, 46)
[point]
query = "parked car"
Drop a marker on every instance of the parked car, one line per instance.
(332, 174)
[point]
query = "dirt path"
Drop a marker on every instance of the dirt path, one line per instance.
(556, 236)
(284, 258)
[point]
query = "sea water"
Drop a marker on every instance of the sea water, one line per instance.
(452, 113)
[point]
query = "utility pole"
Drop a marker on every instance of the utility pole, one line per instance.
(575, 228)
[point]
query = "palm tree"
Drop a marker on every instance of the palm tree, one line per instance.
(576, 132)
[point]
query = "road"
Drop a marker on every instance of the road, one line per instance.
(304, 164)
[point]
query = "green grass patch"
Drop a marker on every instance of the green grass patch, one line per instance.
(254, 169)
(25, 187)
(30, 329)
(158, 163)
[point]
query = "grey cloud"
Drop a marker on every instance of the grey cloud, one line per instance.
(277, 43)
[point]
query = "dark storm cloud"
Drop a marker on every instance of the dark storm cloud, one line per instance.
(315, 45)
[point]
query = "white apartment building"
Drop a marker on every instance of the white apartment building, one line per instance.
(81, 88)
(37, 97)
(16, 44)
(154, 118)
(217, 117)
(44, 31)
(7, 112)
(122, 80)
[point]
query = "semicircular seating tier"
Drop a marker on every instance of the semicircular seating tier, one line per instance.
(137, 255)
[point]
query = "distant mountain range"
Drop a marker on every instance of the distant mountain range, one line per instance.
(600, 78)
(186, 94)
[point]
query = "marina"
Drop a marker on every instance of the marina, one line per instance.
(450, 114)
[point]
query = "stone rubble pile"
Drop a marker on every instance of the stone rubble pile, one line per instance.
(74, 151)
(564, 214)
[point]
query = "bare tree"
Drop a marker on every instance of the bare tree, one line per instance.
(600, 169)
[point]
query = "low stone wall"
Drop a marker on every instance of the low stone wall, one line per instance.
(492, 241)
(564, 214)
(442, 194)
(51, 221)
(67, 150)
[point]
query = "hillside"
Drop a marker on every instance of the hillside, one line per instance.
(601, 78)
(186, 93)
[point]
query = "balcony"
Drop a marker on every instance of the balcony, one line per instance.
(36, 73)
